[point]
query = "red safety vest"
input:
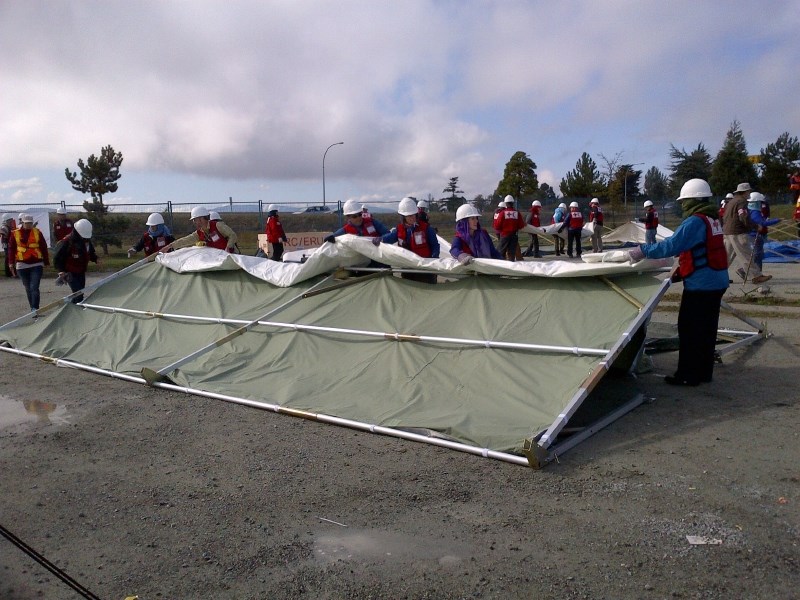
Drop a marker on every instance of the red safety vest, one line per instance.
(366, 229)
(575, 219)
(508, 222)
(62, 230)
(215, 239)
(710, 253)
(535, 220)
(30, 249)
(77, 261)
(596, 215)
(153, 245)
(419, 239)
(653, 222)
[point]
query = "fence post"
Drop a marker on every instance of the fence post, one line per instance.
(230, 203)
(261, 215)
(169, 214)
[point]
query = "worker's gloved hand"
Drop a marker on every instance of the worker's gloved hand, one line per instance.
(376, 241)
(464, 258)
(329, 238)
(131, 252)
(635, 255)
(285, 240)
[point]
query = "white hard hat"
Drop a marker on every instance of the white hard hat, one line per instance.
(728, 196)
(272, 207)
(84, 229)
(61, 210)
(364, 207)
(155, 219)
(199, 211)
(466, 210)
(19, 218)
(647, 203)
(26, 218)
(562, 205)
(6, 217)
(407, 207)
(756, 197)
(574, 205)
(509, 199)
(351, 207)
(536, 203)
(501, 204)
(695, 188)
(422, 204)
(214, 216)
(595, 201)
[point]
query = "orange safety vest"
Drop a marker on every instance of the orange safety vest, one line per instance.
(31, 249)
(709, 253)
(215, 239)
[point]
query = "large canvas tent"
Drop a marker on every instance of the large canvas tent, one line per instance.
(494, 360)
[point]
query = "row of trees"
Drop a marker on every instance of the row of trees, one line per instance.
(616, 182)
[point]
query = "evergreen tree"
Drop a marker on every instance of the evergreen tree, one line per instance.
(732, 166)
(453, 201)
(584, 181)
(655, 186)
(519, 178)
(98, 177)
(624, 186)
(687, 165)
(779, 161)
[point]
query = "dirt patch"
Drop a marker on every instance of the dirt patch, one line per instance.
(142, 491)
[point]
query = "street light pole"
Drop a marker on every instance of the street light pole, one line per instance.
(625, 187)
(323, 169)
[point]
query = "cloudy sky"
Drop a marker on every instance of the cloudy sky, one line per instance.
(211, 99)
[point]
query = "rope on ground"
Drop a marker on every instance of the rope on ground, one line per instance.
(47, 564)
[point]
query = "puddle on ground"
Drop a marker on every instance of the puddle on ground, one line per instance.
(19, 412)
(374, 545)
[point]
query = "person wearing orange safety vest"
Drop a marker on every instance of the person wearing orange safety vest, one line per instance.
(574, 225)
(62, 226)
(703, 267)
(27, 249)
(650, 220)
(414, 235)
(213, 234)
(275, 234)
(507, 223)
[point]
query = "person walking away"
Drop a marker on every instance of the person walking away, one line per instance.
(27, 248)
(507, 223)
(650, 220)
(422, 211)
(214, 234)
(574, 225)
(761, 224)
(535, 219)
(471, 240)
(62, 226)
(156, 237)
(728, 197)
(596, 216)
(703, 267)
(6, 228)
(414, 235)
(72, 257)
(275, 234)
(559, 215)
(736, 227)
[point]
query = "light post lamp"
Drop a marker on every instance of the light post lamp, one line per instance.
(323, 169)
(625, 187)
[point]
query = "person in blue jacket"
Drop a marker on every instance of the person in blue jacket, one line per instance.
(759, 234)
(703, 268)
(471, 240)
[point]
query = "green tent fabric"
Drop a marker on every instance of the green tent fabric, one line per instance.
(493, 398)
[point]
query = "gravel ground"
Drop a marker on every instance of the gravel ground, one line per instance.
(133, 490)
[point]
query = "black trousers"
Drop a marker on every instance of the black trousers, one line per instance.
(508, 246)
(574, 236)
(277, 251)
(698, 321)
(534, 245)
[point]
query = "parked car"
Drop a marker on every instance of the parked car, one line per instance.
(314, 210)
